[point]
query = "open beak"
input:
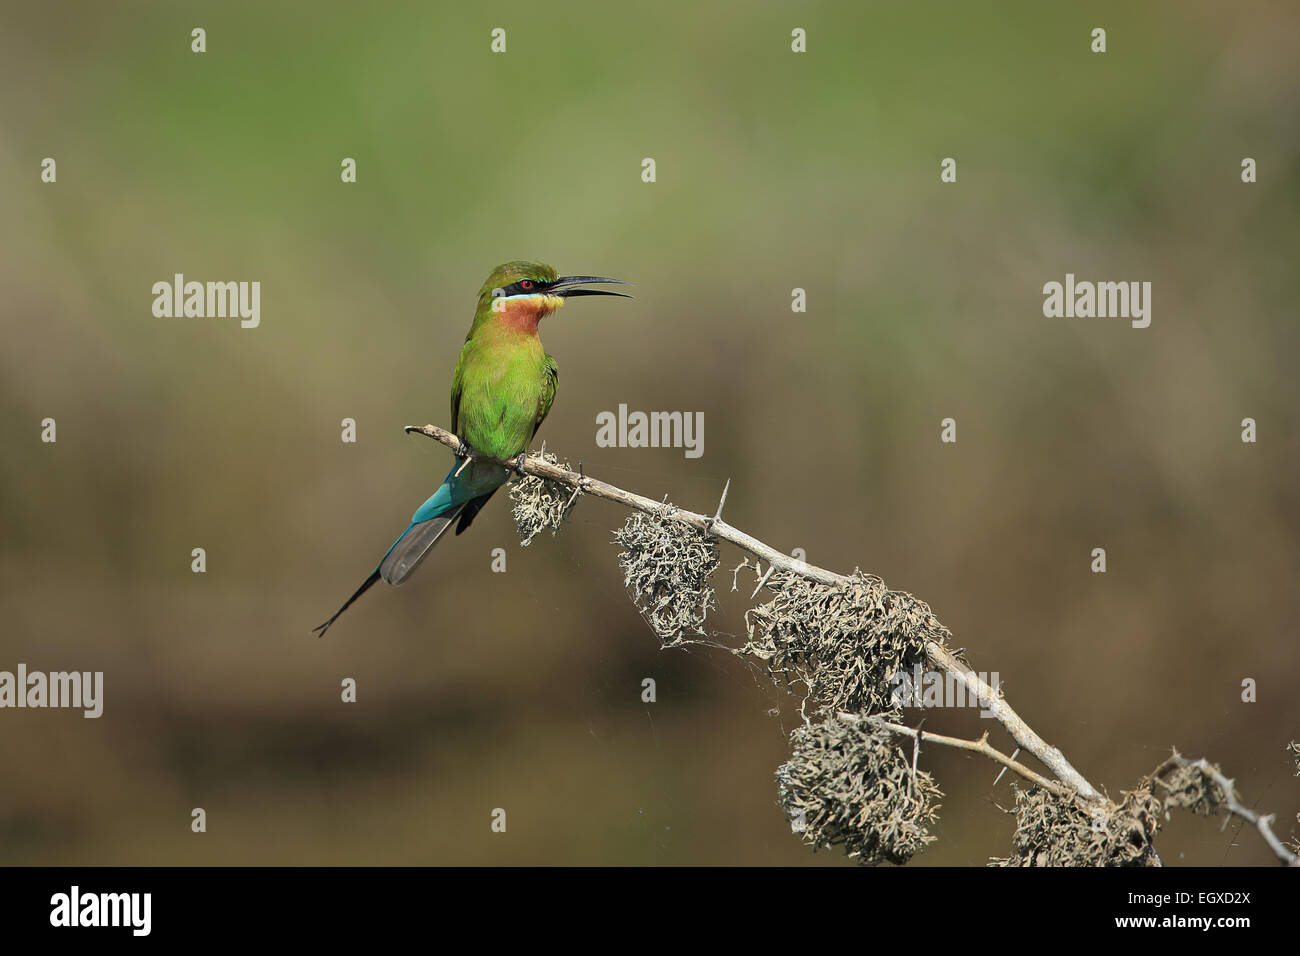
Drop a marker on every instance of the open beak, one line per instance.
(564, 286)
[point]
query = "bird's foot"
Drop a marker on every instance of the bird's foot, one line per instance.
(463, 453)
(520, 461)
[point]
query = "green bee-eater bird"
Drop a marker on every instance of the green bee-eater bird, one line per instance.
(501, 390)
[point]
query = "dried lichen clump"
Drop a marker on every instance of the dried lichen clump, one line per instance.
(539, 503)
(1191, 788)
(667, 566)
(1068, 831)
(843, 642)
(847, 783)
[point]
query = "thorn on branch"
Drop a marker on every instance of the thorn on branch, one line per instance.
(717, 515)
(1002, 772)
(577, 488)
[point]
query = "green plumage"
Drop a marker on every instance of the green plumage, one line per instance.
(501, 391)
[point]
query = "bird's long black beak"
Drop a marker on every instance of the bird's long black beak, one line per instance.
(565, 286)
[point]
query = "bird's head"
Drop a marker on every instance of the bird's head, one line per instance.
(522, 293)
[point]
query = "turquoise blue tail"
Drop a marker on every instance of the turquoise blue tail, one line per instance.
(457, 497)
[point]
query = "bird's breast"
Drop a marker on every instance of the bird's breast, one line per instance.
(501, 390)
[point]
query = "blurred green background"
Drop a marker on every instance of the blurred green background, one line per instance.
(522, 690)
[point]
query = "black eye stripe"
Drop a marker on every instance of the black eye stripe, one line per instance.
(518, 288)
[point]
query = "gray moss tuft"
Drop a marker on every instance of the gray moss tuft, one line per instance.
(666, 567)
(539, 504)
(843, 642)
(1191, 788)
(1053, 830)
(849, 784)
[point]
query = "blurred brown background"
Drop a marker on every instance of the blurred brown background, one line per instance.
(522, 690)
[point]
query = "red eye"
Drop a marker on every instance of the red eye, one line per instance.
(526, 284)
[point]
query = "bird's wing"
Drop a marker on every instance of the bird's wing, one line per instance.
(457, 381)
(550, 382)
